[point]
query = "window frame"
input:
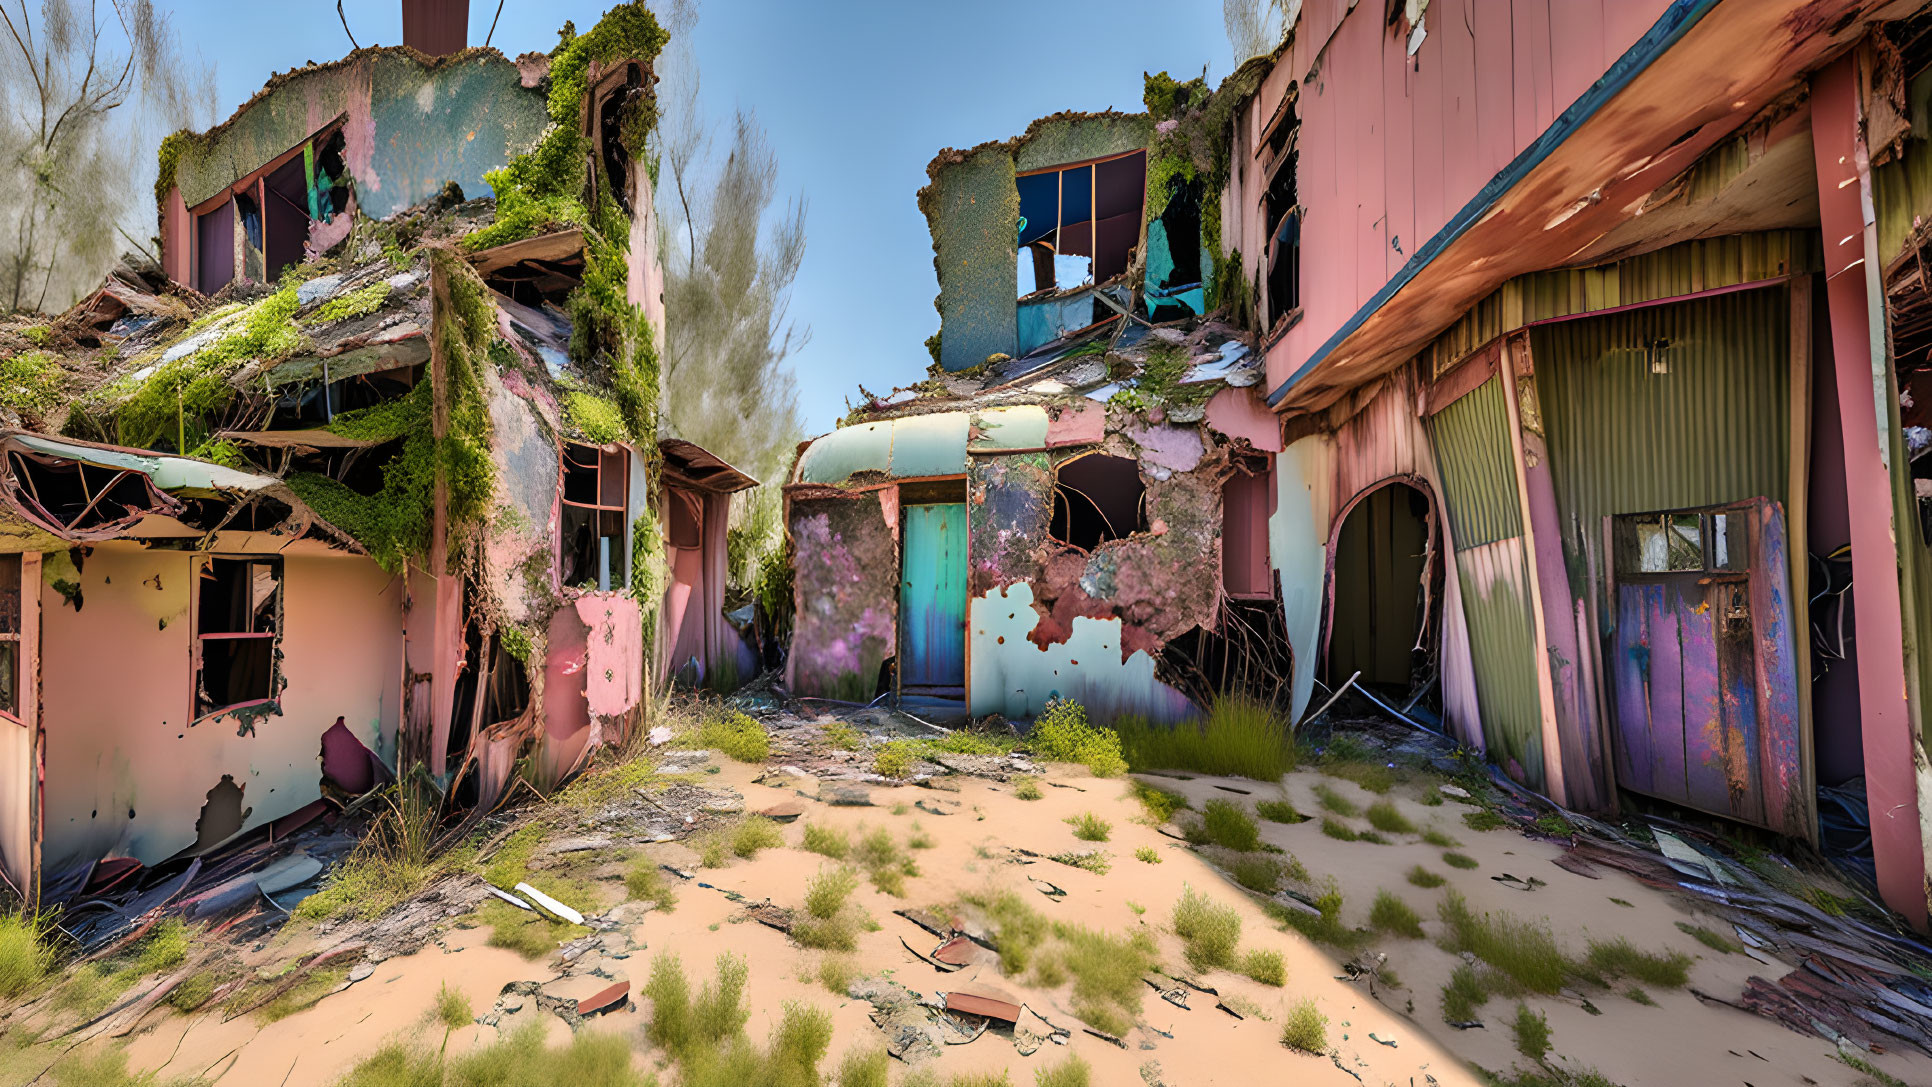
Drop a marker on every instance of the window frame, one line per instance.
(1092, 221)
(13, 637)
(619, 454)
(1738, 557)
(201, 638)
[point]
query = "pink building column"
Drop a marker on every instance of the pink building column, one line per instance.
(1891, 784)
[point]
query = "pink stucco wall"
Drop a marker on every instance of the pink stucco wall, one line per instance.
(1392, 145)
(128, 768)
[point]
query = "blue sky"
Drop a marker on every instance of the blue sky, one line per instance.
(856, 98)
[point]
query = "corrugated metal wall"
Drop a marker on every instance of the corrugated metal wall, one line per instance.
(1624, 439)
(1471, 439)
(1472, 448)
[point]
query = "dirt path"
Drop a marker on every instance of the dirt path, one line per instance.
(972, 834)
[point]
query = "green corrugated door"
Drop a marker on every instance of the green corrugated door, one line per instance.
(1470, 438)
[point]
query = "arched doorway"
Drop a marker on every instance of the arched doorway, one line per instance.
(1384, 593)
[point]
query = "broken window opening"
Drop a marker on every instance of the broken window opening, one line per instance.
(1079, 223)
(249, 212)
(311, 187)
(1096, 498)
(610, 122)
(10, 635)
(237, 618)
(595, 492)
(505, 685)
(306, 405)
(1695, 542)
(77, 495)
(1246, 502)
(1282, 212)
(1246, 654)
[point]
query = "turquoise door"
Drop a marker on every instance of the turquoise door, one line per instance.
(932, 597)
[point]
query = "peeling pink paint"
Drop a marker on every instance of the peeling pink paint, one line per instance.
(612, 675)
(1239, 413)
(1177, 449)
(1081, 424)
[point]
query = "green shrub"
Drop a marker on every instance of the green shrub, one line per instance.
(1392, 915)
(1225, 824)
(826, 894)
(1305, 1028)
(1436, 838)
(1483, 819)
(1106, 972)
(827, 841)
(1018, 929)
(1460, 860)
(1338, 830)
(1210, 932)
(682, 1025)
(1238, 737)
(1026, 788)
(1422, 877)
(1062, 734)
(1265, 966)
(1278, 811)
(1089, 827)
(753, 834)
(1325, 926)
(864, 1068)
(1256, 871)
(1617, 958)
(1524, 951)
(840, 736)
(895, 758)
(453, 1008)
(1148, 854)
(733, 733)
(1072, 1072)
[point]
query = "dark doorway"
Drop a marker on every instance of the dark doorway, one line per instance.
(1383, 593)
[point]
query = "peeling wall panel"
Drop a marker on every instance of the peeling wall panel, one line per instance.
(1502, 645)
(16, 801)
(1298, 548)
(847, 586)
(1014, 677)
(128, 770)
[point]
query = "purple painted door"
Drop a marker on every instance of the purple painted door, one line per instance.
(1706, 687)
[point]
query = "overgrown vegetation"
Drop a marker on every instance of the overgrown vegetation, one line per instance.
(1305, 1028)
(1238, 737)
(1211, 933)
(1532, 1032)
(1063, 734)
(1161, 804)
(1226, 824)
(1105, 969)
(1018, 929)
(1089, 827)
(26, 952)
(735, 734)
(1392, 915)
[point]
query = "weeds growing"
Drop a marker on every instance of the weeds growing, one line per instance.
(1461, 860)
(1062, 734)
(1210, 932)
(1225, 824)
(1532, 1032)
(1160, 803)
(827, 841)
(1422, 877)
(1106, 972)
(1278, 811)
(1384, 816)
(1238, 737)
(1089, 827)
(1392, 915)
(1305, 1028)
(1265, 966)
(1332, 801)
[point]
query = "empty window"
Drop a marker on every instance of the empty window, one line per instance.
(10, 635)
(238, 612)
(1097, 498)
(215, 247)
(596, 487)
(76, 495)
(1682, 543)
(1079, 224)
(1282, 211)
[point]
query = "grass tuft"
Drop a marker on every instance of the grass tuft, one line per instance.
(1461, 860)
(25, 952)
(453, 1008)
(1483, 819)
(1072, 1072)
(1422, 877)
(733, 733)
(1062, 734)
(1716, 941)
(1278, 811)
(1256, 871)
(1532, 1032)
(1392, 915)
(1436, 838)
(836, 973)
(826, 895)
(1027, 788)
(1106, 972)
(1384, 816)
(1018, 929)
(1332, 801)
(754, 834)
(646, 882)
(1618, 958)
(1325, 927)
(827, 841)
(1160, 803)
(1338, 830)
(1226, 824)
(895, 759)
(1305, 1028)
(1089, 827)
(864, 1068)
(1210, 932)
(1148, 854)
(1524, 951)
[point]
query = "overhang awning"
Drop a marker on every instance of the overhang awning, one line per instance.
(920, 446)
(691, 463)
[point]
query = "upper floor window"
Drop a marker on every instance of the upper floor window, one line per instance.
(238, 611)
(1079, 223)
(10, 635)
(596, 492)
(1281, 210)
(265, 218)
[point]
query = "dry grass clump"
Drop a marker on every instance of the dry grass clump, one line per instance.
(1018, 929)
(26, 952)
(1617, 958)
(827, 841)
(1072, 1072)
(830, 923)
(836, 973)
(1265, 966)
(1437, 838)
(1332, 801)
(1461, 860)
(1238, 737)
(1305, 1028)
(1524, 951)
(864, 1068)
(884, 862)
(1027, 788)
(452, 1008)
(1278, 811)
(1716, 941)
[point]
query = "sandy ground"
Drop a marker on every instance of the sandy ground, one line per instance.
(1681, 1041)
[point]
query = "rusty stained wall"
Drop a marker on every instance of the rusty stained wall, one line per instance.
(846, 581)
(410, 126)
(128, 769)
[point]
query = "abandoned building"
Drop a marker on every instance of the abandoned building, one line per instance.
(366, 476)
(1534, 383)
